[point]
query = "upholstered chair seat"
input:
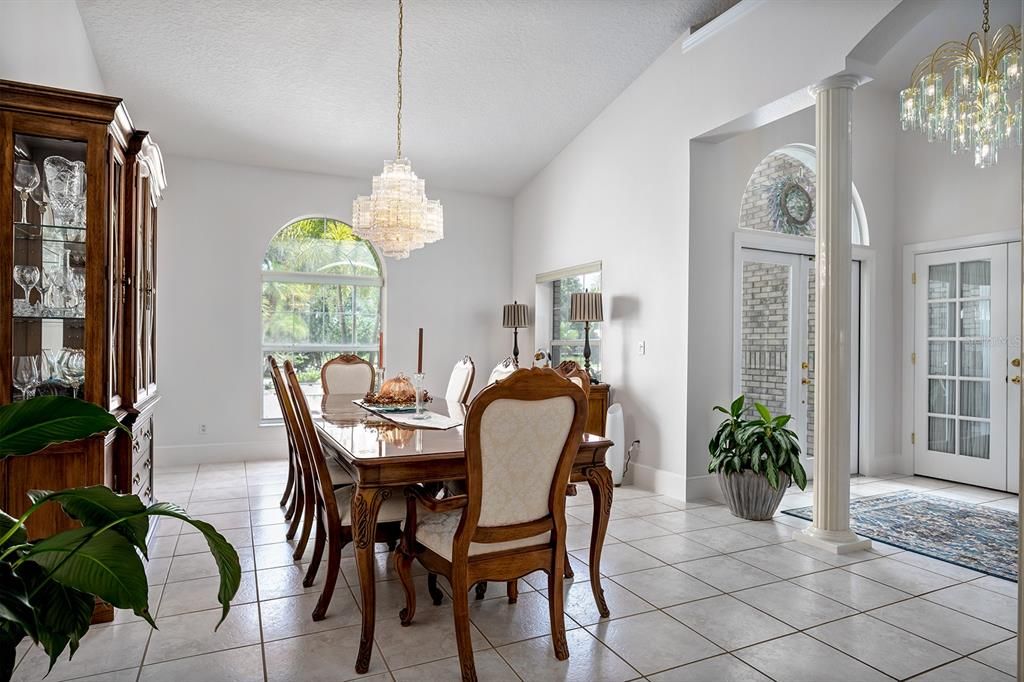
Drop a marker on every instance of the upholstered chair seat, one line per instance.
(436, 531)
(391, 510)
(339, 476)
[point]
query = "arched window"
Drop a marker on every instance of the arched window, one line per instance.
(322, 289)
(780, 195)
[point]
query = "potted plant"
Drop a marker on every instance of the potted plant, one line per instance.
(49, 586)
(755, 459)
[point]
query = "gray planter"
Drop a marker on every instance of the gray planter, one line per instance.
(750, 497)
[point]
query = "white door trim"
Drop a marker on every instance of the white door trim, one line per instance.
(910, 251)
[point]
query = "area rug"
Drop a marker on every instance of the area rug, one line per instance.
(968, 535)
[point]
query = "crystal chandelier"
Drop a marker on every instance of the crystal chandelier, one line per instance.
(397, 217)
(968, 94)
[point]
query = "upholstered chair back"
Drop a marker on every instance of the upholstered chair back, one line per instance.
(502, 370)
(461, 381)
(347, 374)
(521, 438)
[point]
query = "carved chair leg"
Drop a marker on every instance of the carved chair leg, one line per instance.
(403, 566)
(512, 591)
(308, 513)
(291, 479)
(336, 541)
(460, 600)
(555, 607)
(568, 567)
(318, 550)
(481, 590)
(436, 595)
(300, 503)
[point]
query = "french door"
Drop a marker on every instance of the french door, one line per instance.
(774, 342)
(966, 366)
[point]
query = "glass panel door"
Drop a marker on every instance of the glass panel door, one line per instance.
(48, 344)
(960, 396)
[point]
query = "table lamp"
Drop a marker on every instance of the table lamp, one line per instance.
(586, 308)
(515, 315)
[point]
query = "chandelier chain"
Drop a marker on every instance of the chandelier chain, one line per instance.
(401, 22)
(984, 23)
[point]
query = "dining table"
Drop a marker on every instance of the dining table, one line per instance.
(382, 456)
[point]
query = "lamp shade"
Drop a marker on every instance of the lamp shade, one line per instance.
(586, 307)
(515, 316)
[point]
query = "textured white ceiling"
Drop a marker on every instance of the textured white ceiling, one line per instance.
(494, 89)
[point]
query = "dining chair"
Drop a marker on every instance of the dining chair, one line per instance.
(347, 373)
(502, 370)
(293, 492)
(521, 437)
(574, 373)
(304, 473)
(461, 381)
(333, 505)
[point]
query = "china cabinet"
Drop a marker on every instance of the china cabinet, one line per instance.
(79, 189)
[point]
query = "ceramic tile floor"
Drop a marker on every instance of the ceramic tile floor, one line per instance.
(695, 593)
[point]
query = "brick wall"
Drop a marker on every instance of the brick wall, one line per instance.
(754, 209)
(764, 351)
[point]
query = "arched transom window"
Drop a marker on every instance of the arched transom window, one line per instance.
(322, 291)
(780, 195)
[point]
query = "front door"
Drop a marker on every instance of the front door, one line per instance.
(775, 342)
(966, 368)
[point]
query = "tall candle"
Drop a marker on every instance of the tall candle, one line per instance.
(380, 351)
(419, 354)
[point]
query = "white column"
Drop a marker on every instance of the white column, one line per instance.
(833, 253)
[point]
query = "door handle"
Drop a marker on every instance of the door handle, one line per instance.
(1015, 362)
(1015, 380)
(807, 382)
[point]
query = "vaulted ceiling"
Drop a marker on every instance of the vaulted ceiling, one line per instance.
(494, 88)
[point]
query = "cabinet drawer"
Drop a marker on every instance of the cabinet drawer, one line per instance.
(142, 441)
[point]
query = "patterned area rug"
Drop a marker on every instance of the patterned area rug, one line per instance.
(967, 535)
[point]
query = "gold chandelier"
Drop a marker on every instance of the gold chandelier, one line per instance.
(397, 217)
(968, 94)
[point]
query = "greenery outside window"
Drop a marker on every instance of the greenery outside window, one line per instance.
(321, 296)
(566, 336)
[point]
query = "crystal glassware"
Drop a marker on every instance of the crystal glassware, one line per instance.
(26, 276)
(26, 179)
(66, 180)
(378, 380)
(49, 370)
(417, 383)
(26, 375)
(74, 369)
(41, 200)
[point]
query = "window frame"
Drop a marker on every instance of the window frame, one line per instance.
(546, 291)
(291, 277)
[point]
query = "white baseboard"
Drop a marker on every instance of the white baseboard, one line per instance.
(880, 465)
(658, 480)
(703, 487)
(217, 453)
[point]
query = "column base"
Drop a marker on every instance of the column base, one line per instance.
(835, 541)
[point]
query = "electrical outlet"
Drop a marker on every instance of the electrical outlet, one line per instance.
(202, 429)
(643, 348)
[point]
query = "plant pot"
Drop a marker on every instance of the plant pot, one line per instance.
(750, 497)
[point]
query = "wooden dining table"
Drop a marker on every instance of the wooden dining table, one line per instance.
(380, 455)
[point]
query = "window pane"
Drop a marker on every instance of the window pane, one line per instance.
(574, 351)
(941, 396)
(367, 315)
(976, 319)
(975, 438)
(307, 313)
(564, 330)
(974, 399)
(975, 359)
(941, 435)
(307, 369)
(318, 245)
(941, 319)
(976, 279)
(942, 281)
(942, 357)
(764, 340)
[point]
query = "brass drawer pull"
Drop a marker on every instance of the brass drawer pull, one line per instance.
(137, 479)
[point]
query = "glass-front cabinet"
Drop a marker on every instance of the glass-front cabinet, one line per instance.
(79, 188)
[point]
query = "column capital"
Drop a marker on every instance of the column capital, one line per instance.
(840, 80)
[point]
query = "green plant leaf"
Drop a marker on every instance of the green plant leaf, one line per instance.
(798, 473)
(9, 642)
(15, 608)
(64, 613)
(223, 553)
(99, 506)
(763, 411)
(772, 472)
(104, 564)
(28, 426)
(720, 409)
(736, 408)
(781, 421)
(19, 537)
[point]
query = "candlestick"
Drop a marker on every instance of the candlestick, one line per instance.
(380, 350)
(419, 354)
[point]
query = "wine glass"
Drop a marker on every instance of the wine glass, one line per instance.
(26, 375)
(26, 276)
(26, 179)
(74, 369)
(41, 200)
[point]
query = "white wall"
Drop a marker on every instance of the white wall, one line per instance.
(44, 41)
(214, 226)
(619, 193)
